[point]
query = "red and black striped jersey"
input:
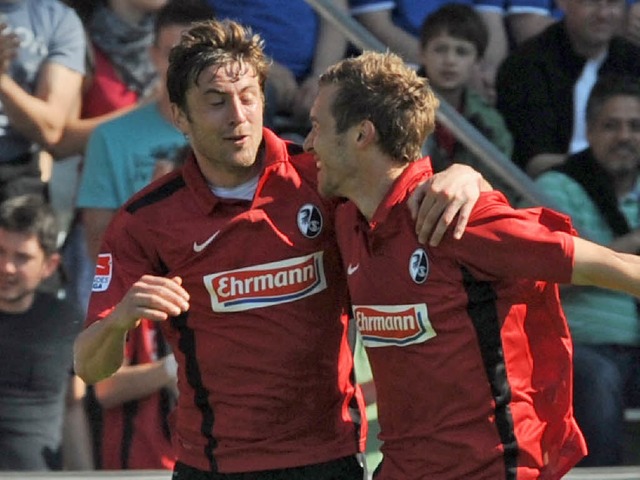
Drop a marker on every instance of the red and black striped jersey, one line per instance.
(469, 347)
(265, 368)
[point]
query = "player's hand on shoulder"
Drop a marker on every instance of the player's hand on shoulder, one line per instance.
(436, 202)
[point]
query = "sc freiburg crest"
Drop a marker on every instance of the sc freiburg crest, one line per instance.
(310, 220)
(419, 266)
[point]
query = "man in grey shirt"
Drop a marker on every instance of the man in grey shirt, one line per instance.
(42, 55)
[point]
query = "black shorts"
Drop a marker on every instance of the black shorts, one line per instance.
(347, 468)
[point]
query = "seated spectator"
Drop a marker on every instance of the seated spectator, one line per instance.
(543, 85)
(527, 18)
(137, 399)
(600, 189)
(115, 167)
(42, 47)
(120, 75)
(453, 40)
(120, 70)
(301, 44)
(398, 24)
(632, 27)
(37, 331)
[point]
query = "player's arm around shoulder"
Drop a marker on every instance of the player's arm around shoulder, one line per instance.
(99, 349)
(444, 197)
(602, 267)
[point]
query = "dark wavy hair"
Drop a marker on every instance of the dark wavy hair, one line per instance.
(31, 215)
(458, 20)
(214, 42)
(609, 86)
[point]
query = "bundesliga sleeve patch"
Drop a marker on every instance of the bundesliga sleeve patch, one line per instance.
(104, 269)
(393, 325)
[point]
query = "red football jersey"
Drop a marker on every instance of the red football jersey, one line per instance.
(265, 368)
(469, 348)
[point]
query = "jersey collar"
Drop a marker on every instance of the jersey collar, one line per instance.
(408, 180)
(275, 150)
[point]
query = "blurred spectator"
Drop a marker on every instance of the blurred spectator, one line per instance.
(543, 86)
(42, 51)
(527, 18)
(302, 45)
(453, 40)
(600, 189)
(36, 339)
(398, 24)
(138, 398)
(115, 167)
(167, 165)
(632, 27)
(120, 71)
(120, 75)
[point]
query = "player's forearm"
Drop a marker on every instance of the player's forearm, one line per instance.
(133, 382)
(99, 349)
(601, 267)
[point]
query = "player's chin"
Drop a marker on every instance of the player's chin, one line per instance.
(326, 190)
(246, 163)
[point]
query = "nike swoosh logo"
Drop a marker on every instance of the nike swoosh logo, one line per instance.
(198, 247)
(351, 269)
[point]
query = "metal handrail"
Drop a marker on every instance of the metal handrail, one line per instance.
(466, 133)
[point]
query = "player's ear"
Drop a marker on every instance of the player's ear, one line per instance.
(366, 133)
(180, 118)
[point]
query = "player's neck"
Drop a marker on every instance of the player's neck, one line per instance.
(374, 187)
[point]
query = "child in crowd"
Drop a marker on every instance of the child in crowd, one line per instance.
(453, 41)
